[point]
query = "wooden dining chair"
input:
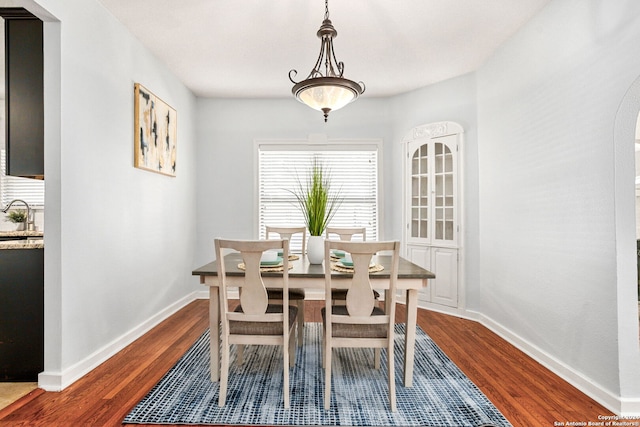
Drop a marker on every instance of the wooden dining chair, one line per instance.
(296, 296)
(359, 323)
(254, 320)
(346, 234)
(287, 232)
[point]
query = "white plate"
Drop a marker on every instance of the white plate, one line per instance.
(340, 264)
(274, 263)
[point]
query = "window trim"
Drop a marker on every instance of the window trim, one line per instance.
(317, 142)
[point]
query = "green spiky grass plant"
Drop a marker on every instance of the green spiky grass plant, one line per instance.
(314, 197)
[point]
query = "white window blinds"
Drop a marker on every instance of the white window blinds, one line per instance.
(354, 173)
(12, 187)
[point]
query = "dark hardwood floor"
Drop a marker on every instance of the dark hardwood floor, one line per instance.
(524, 391)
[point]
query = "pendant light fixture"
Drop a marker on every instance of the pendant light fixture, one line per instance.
(328, 91)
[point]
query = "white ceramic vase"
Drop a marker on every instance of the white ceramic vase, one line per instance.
(315, 249)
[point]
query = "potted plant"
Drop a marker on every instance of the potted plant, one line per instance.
(318, 206)
(19, 217)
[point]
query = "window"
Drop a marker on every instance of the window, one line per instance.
(354, 171)
(12, 187)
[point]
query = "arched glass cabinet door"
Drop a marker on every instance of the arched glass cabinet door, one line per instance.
(420, 191)
(433, 198)
(444, 194)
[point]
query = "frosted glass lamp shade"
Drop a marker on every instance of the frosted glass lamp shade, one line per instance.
(327, 93)
(331, 97)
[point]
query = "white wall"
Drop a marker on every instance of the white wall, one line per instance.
(119, 241)
(547, 101)
(226, 133)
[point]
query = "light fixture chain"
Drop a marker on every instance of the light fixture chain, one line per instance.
(326, 9)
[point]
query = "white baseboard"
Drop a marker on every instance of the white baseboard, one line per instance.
(57, 381)
(622, 407)
(564, 371)
(630, 408)
(202, 294)
(452, 311)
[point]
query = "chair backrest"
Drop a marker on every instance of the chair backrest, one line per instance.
(287, 232)
(360, 297)
(253, 293)
(347, 233)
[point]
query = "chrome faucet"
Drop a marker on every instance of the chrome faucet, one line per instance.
(28, 210)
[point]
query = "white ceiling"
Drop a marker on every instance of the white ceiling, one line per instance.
(245, 48)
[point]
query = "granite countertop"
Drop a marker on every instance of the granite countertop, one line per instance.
(32, 240)
(22, 244)
(21, 233)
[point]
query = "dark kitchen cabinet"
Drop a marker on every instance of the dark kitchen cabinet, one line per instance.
(24, 93)
(21, 314)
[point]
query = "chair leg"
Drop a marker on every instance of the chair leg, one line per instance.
(285, 373)
(224, 374)
(300, 322)
(327, 376)
(239, 354)
(386, 304)
(376, 358)
(392, 378)
(292, 347)
(300, 305)
(324, 345)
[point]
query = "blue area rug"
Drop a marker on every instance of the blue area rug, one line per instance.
(441, 394)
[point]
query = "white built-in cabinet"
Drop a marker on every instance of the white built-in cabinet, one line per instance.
(432, 208)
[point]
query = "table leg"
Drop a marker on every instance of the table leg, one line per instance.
(214, 332)
(410, 337)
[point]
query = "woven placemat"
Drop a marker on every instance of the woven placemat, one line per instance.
(241, 266)
(372, 269)
(292, 257)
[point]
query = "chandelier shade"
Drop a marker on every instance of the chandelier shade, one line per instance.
(328, 91)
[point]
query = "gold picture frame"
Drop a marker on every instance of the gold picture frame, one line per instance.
(156, 130)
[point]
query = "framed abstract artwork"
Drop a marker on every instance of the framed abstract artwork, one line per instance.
(155, 139)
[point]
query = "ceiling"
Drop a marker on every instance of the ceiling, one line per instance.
(245, 48)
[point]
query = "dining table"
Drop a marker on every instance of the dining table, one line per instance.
(302, 274)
